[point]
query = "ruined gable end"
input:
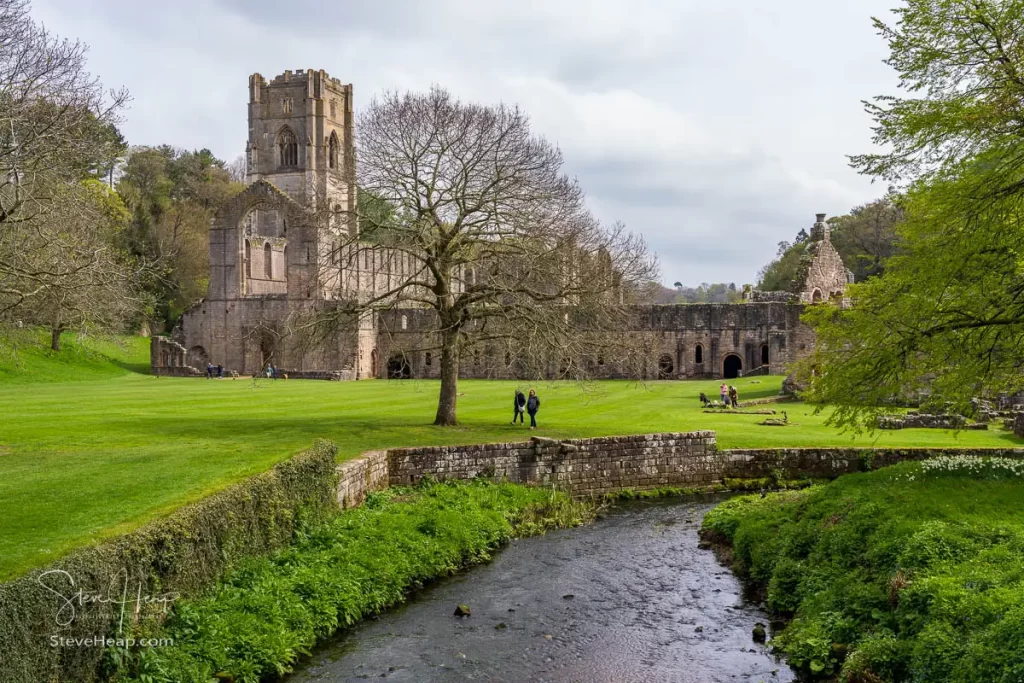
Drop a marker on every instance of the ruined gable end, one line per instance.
(823, 276)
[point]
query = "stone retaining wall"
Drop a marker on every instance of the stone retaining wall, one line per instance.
(583, 466)
(828, 463)
(610, 464)
(358, 477)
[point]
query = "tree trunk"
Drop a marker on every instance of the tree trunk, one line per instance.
(55, 338)
(449, 378)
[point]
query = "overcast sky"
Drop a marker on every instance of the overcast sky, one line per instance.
(715, 129)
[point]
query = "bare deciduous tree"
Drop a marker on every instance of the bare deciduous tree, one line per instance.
(495, 238)
(236, 169)
(66, 257)
(57, 126)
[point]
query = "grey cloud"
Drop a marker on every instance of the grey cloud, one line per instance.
(715, 129)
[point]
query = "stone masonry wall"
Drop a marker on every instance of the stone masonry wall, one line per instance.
(829, 463)
(610, 464)
(583, 466)
(358, 477)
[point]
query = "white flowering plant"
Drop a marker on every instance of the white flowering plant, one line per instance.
(964, 465)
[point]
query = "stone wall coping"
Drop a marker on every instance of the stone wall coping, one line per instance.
(547, 442)
(877, 449)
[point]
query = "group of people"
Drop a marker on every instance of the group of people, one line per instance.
(730, 397)
(214, 371)
(523, 404)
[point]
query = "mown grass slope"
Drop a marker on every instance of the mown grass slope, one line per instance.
(26, 358)
(82, 460)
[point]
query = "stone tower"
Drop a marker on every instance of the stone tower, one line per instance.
(301, 139)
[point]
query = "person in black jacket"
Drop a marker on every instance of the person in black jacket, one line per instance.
(518, 406)
(532, 406)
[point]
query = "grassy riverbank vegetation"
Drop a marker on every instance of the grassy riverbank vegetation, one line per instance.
(84, 460)
(266, 614)
(910, 573)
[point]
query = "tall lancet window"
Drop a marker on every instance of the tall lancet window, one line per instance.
(332, 151)
(288, 147)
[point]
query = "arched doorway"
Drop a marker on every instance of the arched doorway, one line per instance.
(198, 358)
(374, 363)
(398, 368)
(732, 366)
(764, 354)
(816, 296)
(666, 368)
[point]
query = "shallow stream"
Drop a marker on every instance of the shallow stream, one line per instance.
(628, 599)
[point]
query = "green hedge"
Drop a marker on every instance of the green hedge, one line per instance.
(181, 554)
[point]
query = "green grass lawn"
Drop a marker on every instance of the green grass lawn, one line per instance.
(82, 460)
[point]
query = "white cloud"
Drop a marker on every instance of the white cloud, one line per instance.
(715, 129)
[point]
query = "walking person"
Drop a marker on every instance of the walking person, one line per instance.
(532, 406)
(734, 397)
(220, 372)
(518, 407)
(723, 391)
(209, 370)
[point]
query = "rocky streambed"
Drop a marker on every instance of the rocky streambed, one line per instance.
(631, 598)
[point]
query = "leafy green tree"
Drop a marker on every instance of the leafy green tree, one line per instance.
(866, 237)
(780, 275)
(961, 62)
(172, 195)
(946, 319)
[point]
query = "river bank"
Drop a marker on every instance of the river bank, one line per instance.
(910, 573)
(630, 597)
(267, 613)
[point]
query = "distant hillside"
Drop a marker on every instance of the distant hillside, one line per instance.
(25, 357)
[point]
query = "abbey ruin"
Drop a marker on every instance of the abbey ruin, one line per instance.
(271, 260)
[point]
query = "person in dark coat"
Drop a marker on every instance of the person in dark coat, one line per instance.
(532, 406)
(518, 406)
(734, 397)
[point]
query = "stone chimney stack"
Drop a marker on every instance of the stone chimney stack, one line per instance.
(820, 231)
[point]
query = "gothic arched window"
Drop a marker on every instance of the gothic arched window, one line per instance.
(332, 151)
(248, 259)
(288, 147)
(268, 266)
